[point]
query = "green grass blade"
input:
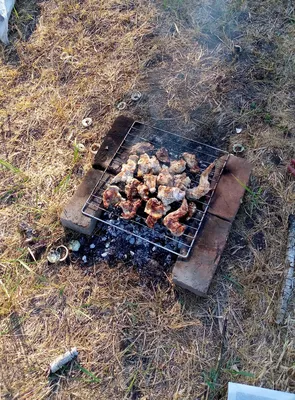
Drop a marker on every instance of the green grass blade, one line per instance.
(9, 166)
(93, 377)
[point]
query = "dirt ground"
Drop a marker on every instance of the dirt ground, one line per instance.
(205, 68)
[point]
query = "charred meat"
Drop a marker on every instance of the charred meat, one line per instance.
(171, 221)
(155, 209)
(163, 155)
(192, 209)
(129, 208)
(182, 181)
(170, 194)
(131, 188)
(150, 181)
(204, 185)
(164, 177)
(147, 164)
(143, 191)
(127, 171)
(143, 165)
(191, 162)
(111, 196)
(177, 166)
(142, 147)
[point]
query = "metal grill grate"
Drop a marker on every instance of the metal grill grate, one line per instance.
(158, 236)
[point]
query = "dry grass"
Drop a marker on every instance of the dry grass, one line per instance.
(141, 342)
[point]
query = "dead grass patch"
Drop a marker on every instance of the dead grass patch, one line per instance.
(141, 342)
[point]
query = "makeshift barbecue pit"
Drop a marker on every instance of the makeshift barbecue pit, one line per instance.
(155, 141)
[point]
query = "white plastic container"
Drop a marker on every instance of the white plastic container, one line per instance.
(6, 7)
(237, 391)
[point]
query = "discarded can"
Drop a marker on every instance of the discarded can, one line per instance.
(62, 360)
(86, 122)
(238, 148)
(121, 106)
(136, 95)
(94, 148)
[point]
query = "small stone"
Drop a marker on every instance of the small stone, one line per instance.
(154, 248)
(104, 254)
(53, 256)
(132, 253)
(239, 130)
(132, 240)
(107, 245)
(74, 245)
(84, 259)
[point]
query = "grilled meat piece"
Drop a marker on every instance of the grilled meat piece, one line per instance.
(131, 188)
(164, 177)
(192, 162)
(147, 164)
(155, 166)
(155, 209)
(177, 166)
(129, 208)
(143, 191)
(204, 185)
(143, 165)
(142, 147)
(182, 181)
(192, 209)
(171, 221)
(127, 171)
(111, 196)
(151, 182)
(163, 155)
(170, 194)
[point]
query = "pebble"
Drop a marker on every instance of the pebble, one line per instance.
(154, 248)
(84, 259)
(92, 246)
(132, 240)
(132, 253)
(104, 254)
(104, 238)
(107, 245)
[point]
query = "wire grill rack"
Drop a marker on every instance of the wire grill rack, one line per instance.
(159, 236)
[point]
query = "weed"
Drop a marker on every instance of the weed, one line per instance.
(93, 378)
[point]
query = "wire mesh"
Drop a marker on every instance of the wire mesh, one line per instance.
(159, 236)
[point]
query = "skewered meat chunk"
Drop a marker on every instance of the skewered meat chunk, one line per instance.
(182, 181)
(192, 209)
(155, 209)
(192, 162)
(143, 191)
(204, 185)
(111, 196)
(164, 177)
(151, 182)
(131, 188)
(170, 194)
(129, 208)
(142, 147)
(163, 155)
(171, 221)
(127, 171)
(177, 166)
